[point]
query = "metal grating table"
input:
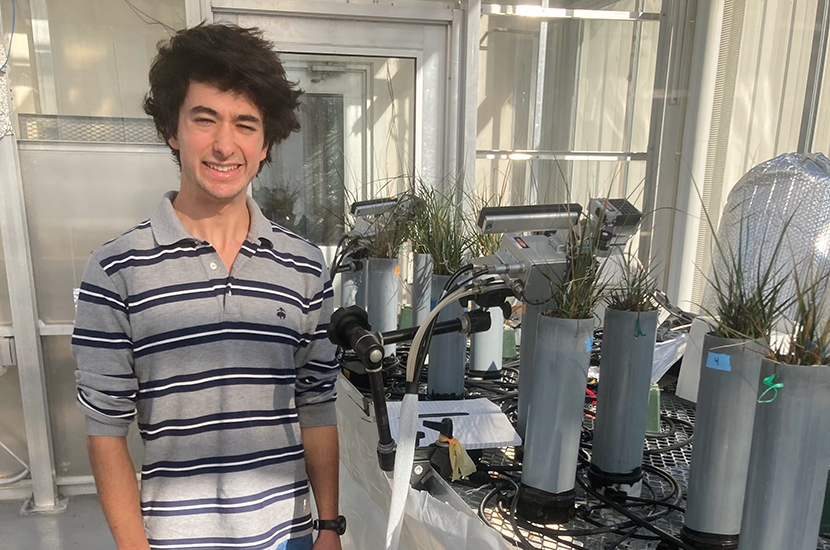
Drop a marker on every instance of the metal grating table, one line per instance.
(677, 423)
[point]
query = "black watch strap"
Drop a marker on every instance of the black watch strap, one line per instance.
(337, 525)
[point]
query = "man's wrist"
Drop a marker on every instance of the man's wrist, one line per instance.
(337, 525)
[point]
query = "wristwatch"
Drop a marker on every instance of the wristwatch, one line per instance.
(337, 525)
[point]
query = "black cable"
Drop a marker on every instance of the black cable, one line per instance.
(496, 489)
(460, 271)
(335, 263)
(633, 517)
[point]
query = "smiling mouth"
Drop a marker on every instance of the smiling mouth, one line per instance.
(223, 167)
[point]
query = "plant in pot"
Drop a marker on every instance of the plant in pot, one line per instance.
(748, 303)
(629, 334)
(564, 338)
(486, 348)
(791, 437)
(437, 231)
(390, 231)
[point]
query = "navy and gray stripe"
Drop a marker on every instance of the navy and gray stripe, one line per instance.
(258, 542)
(238, 505)
(221, 464)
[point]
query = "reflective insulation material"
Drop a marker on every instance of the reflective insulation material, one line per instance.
(382, 297)
(487, 348)
(563, 350)
(725, 416)
(622, 399)
(527, 347)
(788, 464)
(421, 287)
(794, 189)
(447, 352)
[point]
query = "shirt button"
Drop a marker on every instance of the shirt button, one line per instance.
(213, 265)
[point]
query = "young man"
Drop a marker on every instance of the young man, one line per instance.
(207, 323)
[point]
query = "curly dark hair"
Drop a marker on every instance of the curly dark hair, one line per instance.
(230, 58)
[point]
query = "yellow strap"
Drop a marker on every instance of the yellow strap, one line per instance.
(460, 462)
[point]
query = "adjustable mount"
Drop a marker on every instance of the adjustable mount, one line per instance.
(349, 328)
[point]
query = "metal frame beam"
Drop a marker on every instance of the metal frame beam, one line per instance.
(814, 77)
(655, 132)
(533, 155)
(42, 39)
(15, 235)
(337, 10)
(544, 12)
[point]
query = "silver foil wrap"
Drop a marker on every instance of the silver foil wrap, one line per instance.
(793, 188)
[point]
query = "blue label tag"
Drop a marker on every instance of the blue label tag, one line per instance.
(589, 343)
(719, 361)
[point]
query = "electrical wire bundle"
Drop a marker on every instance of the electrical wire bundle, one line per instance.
(624, 521)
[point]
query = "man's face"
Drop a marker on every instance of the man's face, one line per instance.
(221, 143)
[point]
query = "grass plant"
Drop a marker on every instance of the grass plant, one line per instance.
(636, 290)
(748, 296)
(391, 230)
(437, 228)
(577, 294)
(809, 340)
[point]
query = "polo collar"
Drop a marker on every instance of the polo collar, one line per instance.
(168, 229)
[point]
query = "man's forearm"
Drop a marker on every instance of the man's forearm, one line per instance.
(322, 463)
(117, 490)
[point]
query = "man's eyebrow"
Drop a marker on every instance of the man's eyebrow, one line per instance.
(202, 110)
(248, 118)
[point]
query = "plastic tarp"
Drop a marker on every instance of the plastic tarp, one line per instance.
(429, 523)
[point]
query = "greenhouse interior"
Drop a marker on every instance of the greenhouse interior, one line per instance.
(556, 270)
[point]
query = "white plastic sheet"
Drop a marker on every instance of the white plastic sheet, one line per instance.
(365, 494)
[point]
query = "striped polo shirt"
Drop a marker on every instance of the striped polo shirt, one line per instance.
(221, 370)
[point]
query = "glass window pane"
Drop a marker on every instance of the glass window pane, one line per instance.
(574, 181)
(84, 77)
(356, 142)
(124, 188)
(282, 189)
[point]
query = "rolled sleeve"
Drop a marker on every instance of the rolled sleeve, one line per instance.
(107, 388)
(317, 367)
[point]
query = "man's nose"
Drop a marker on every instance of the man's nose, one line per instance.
(223, 144)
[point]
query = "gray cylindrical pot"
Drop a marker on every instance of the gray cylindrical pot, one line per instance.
(486, 348)
(421, 288)
(527, 346)
(554, 421)
(447, 352)
(382, 296)
(788, 465)
(353, 289)
(724, 417)
(622, 400)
